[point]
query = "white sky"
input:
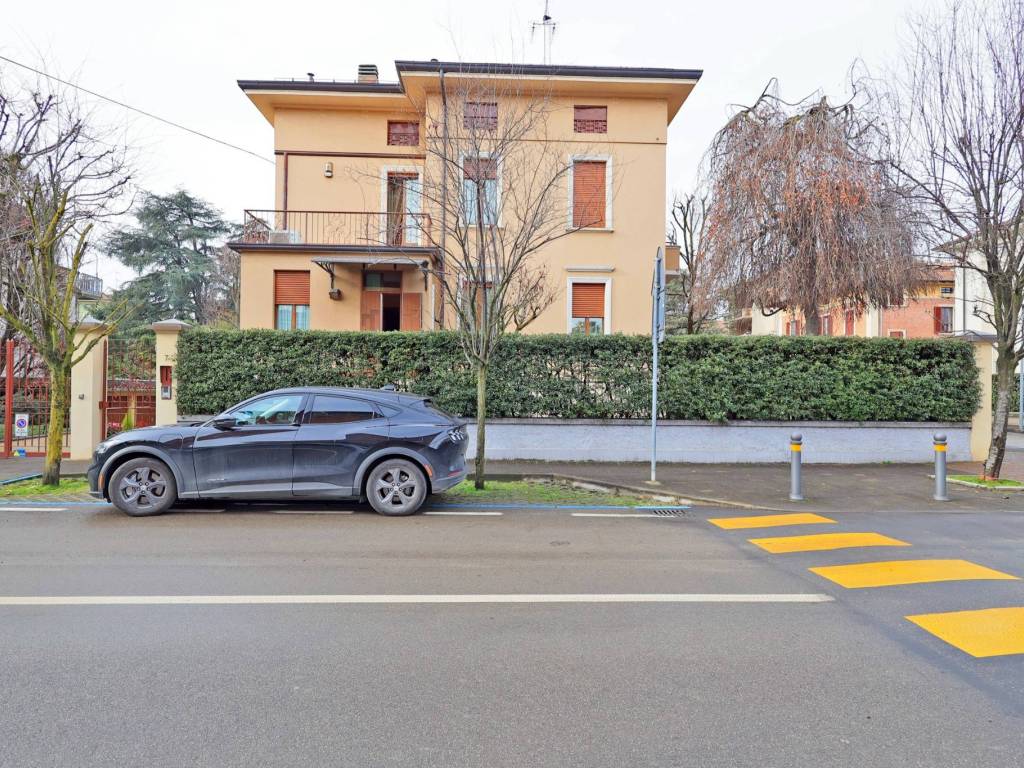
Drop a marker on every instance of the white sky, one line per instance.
(181, 59)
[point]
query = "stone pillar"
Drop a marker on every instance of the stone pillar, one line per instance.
(167, 332)
(981, 424)
(86, 417)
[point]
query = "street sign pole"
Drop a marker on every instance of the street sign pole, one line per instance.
(657, 336)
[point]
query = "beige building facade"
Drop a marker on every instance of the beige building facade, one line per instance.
(352, 243)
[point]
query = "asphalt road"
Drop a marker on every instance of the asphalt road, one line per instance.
(846, 682)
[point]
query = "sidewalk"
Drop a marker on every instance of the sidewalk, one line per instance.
(12, 468)
(826, 487)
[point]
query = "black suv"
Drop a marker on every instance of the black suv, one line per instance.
(303, 443)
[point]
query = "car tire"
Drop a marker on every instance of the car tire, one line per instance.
(396, 487)
(143, 487)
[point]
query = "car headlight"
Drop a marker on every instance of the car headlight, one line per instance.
(102, 447)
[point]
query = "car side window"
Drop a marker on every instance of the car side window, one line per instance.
(278, 409)
(328, 409)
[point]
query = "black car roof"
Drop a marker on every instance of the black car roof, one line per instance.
(379, 395)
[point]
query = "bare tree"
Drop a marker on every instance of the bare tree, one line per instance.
(956, 118)
(62, 175)
(803, 211)
(495, 179)
(695, 295)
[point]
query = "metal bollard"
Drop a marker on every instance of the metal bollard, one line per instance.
(796, 442)
(940, 468)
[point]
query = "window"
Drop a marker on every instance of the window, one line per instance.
(590, 119)
(825, 322)
(277, 409)
(792, 327)
(291, 300)
(587, 315)
(403, 134)
(897, 334)
(480, 114)
(480, 190)
(391, 279)
(943, 319)
(340, 410)
(946, 290)
(589, 179)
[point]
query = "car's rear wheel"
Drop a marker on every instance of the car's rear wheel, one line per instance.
(142, 487)
(396, 487)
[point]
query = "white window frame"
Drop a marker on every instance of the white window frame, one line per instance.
(608, 176)
(498, 174)
(607, 301)
(385, 170)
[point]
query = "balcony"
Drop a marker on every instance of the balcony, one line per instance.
(336, 230)
(88, 286)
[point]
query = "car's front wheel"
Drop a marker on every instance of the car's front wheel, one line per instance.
(396, 487)
(142, 487)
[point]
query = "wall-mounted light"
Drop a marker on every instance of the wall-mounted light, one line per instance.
(329, 169)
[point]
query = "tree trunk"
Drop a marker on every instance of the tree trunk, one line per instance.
(59, 387)
(481, 424)
(812, 323)
(1005, 365)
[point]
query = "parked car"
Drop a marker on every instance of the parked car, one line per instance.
(392, 449)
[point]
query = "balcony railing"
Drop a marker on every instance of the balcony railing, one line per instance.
(370, 228)
(89, 286)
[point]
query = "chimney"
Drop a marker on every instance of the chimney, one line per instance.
(368, 73)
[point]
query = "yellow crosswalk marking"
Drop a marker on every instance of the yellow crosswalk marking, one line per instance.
(818, 542)
(895, 572)
(984, 633)
(768, 521)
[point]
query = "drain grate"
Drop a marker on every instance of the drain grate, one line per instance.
(665, 512)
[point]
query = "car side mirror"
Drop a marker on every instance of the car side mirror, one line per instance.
(224, 422)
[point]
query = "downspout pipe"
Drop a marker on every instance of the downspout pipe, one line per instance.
(444, 191)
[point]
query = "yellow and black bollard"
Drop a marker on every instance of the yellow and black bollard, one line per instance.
(939, 443)
(796, 442)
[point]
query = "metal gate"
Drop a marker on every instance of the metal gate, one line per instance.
(26, 402)
(129, 384)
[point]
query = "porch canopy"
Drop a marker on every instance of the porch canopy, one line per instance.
(412, 257)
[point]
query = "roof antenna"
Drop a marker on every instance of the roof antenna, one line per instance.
(547, 25)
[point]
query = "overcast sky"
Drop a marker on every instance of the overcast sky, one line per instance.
(181, 59)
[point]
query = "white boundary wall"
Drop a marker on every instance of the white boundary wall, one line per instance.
(741, 442)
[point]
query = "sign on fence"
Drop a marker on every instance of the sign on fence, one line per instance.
(21, 425)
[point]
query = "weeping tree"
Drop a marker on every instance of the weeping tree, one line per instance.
(804, 213)
(955, 111)
(61, 175)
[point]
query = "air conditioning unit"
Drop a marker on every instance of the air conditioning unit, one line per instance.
(283, 237)
(335, 293)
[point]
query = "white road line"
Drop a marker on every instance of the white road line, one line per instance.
(464, 514)
(33, 509)
(47, 600)
(620, 514)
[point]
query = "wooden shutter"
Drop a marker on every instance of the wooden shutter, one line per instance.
(588, 193)
(291, 287)
(588, 300)
(412, 318)
(849, 323)
(937, 317)
(403, 134)
(480, 114)
(369, 311)
(590, 119)
(480, 168)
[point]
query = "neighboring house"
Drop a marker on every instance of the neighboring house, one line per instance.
(344, 248)
(926, 314)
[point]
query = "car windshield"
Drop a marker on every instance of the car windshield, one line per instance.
(277, 409)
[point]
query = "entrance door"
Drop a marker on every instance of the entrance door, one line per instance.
(253, 458)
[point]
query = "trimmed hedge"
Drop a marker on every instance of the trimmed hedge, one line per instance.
(713, 378)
